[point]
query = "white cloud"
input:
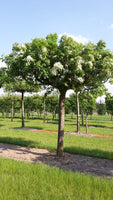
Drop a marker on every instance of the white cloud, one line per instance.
(111, 26)
(79, 38)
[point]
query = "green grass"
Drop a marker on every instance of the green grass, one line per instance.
(26, 181)
(101, 125)
(96, 147)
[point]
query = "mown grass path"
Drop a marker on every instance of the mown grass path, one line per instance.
(66, 132)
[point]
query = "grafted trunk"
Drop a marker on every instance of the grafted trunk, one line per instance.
(61, 124)
(78, 116)
(22, 109)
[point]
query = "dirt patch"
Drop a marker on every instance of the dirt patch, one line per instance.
(75, 163)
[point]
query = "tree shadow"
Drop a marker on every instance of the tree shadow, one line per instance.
(89, 152)
(28, 128)
(71, 162)
(19, 141)
(1, 125)
(99, 126)
(52, 122)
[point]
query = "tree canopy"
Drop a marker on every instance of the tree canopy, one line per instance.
(62, 63)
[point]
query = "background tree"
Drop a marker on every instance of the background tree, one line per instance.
(20, 85)
(109, 104)
(17, 63)
(101, 108)
(52, 105)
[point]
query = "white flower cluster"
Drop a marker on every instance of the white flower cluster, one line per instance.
(91, 57)
(56, 67)
(69, 50)
(90, 64)
(80, 61)
(19, 49)
(16, 45)
(108, 61)
(44, 49)
(80, 79)
(29, 58)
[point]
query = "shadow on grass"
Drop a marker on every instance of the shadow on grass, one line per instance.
(99, 126)
(19, 141)
(1, 125)
(89, 152)
(52, 122)
(28, 128)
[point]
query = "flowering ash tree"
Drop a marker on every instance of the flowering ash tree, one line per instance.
(65, 64)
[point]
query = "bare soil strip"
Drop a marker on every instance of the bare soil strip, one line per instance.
(76, 163)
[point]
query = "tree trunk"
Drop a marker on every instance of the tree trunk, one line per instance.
(2, 114)
(71, 115)
(82, 118)
(6, 114)
(53, 115)
(28, 113)
(47, 117)
(61, 124)
(12, 111)
(86, 125)
(44, 111)
(78, 116)
(22, 109)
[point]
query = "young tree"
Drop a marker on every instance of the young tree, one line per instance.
(21, 86)
(17, 72)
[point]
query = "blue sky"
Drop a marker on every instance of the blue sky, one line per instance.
(23, 20)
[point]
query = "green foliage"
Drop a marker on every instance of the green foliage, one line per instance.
(6, 103)
(101, 108)
(64, 64)
(52, 104)
(109, 104)
(87, 102)
(2, 76)
(17, 71)
(67, 64)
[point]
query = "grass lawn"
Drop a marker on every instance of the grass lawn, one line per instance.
(26, 181)
(101, 125)
(97, 147)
